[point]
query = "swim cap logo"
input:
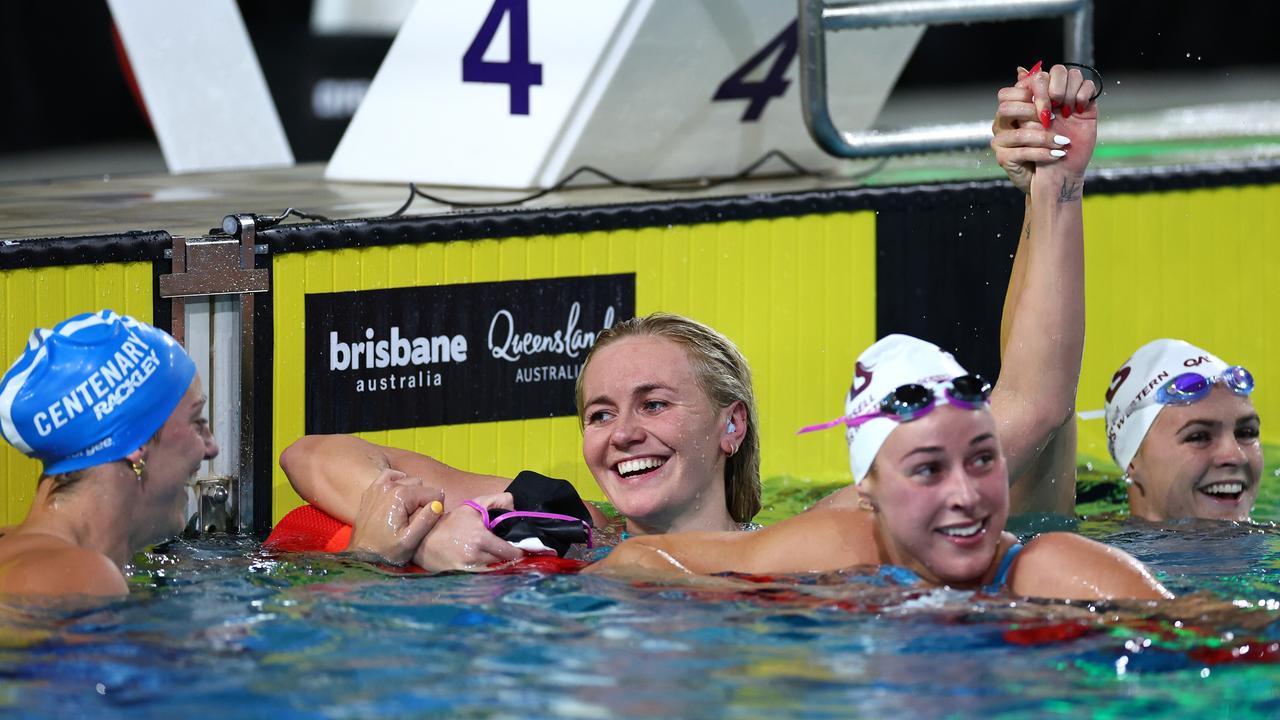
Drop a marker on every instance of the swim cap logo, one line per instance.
(862, 373)
(1116, 381)
(105, 390)
(1195, 361)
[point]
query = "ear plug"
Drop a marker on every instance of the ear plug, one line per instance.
(730, 427)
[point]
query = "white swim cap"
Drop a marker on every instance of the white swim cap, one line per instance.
(893, 361)
(1131, 397)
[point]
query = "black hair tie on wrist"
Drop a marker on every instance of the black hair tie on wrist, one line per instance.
(1097, 77)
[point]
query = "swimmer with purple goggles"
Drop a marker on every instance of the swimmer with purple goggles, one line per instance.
(932, 487)
(1191, 387)
(936, 467)
(1182, 426)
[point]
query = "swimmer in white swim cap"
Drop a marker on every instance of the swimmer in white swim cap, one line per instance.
(114, 410)
(1182, 427)
(1042, 325)
(931, 446)
(933, 498)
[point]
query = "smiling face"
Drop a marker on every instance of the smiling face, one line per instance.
(652, 438)
(1200, 460)
(172, 458)
(940, 493)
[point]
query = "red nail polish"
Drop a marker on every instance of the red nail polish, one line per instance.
(1044, 118)
(1066, 111)
(1079, 108)
(1035, 68)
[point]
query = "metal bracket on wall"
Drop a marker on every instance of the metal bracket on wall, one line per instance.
(213, 506)
(219, 266)
(819, 16)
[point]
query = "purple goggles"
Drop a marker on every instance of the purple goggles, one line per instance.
(491, 524)
(912, 401)
(1191, 387)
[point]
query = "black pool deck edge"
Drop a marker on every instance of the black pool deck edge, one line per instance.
(150, 245)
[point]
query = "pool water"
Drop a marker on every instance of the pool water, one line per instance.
(219, 626)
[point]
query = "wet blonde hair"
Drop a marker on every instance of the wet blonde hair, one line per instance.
(723, 374)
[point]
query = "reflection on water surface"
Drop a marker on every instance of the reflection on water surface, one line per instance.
(219, 624)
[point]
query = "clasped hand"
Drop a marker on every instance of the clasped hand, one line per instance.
(396, 513)
(401, 519)
(1045, 121)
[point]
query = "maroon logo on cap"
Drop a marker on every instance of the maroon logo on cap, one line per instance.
(861, 379)
(1116, 381)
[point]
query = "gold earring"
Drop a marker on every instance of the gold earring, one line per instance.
(138, 466)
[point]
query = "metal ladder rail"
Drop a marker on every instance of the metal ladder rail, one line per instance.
(817, 17)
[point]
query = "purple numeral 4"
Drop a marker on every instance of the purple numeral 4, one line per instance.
(774, 84)
(517, 73)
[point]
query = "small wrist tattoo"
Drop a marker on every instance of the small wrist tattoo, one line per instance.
(1071, 190)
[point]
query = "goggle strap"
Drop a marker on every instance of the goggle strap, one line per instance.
(842, 420)
(491, 524)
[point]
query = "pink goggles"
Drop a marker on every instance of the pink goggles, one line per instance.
(911, 401)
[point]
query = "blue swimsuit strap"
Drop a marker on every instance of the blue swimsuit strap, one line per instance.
(1002, 576)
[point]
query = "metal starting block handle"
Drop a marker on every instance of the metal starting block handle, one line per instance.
(216, 265)
(819, 16)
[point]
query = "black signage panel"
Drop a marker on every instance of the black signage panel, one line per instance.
(451, 354)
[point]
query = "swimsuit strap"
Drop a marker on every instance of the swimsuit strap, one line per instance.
(1002, 575)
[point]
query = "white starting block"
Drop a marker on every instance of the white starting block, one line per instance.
(519, 93)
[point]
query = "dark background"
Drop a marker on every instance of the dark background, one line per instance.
(63, 85)
(942, 261)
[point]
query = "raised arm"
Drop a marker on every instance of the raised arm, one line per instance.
(333, 471)
(1042, 327)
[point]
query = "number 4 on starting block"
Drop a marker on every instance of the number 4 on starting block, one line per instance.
(518, 93)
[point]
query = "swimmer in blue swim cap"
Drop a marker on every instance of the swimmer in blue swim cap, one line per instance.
(114, 410)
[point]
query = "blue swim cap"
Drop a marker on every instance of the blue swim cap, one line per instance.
(91, 390)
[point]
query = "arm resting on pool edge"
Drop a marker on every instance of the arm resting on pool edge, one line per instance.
(338, 473)
(460, 541)
(396, 513)
(789, 546)
(399, 521)
(1067, 566)
(333, 471)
